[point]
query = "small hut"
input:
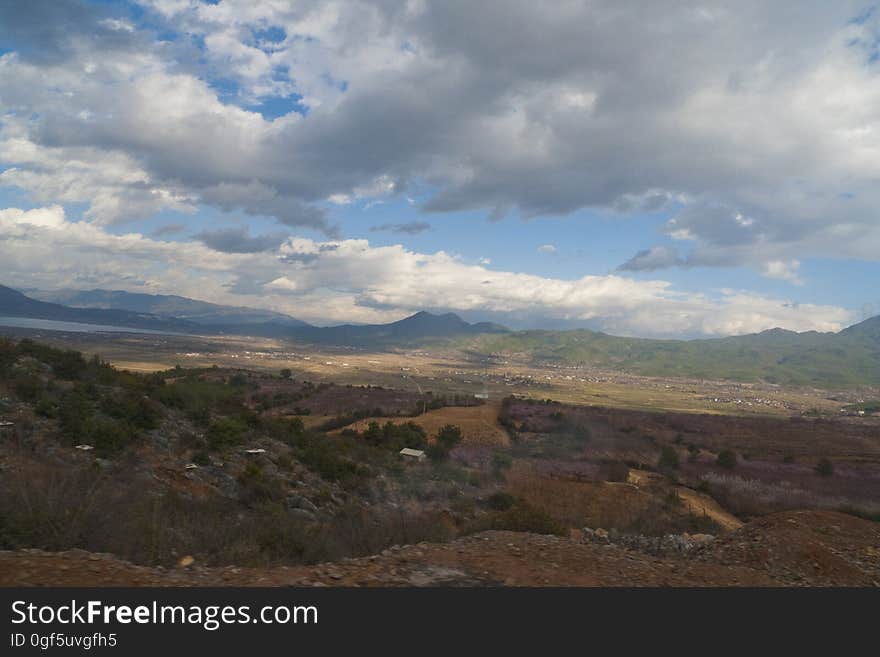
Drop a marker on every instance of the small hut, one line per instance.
(416, 454)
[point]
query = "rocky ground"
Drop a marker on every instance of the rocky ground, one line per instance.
(785, 549)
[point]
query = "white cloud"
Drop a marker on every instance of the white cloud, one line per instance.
(547, 249)
(351, 280)
(761, 119)
(783, 270)
(758, 124)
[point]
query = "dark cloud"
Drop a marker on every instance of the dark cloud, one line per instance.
(411, 228)
(239, 240)
(169, 229)
(47, 31)
(657, 257)
(300, 258)
(507, 107)
(259, 199)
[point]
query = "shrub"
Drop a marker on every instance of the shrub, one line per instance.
(824, 468)
(614, 471)
(255, 487)
(668, 458)
(322, 456)
(286, 373)
(46, 407)
(27, 387)
(726, 459)
(73, 414)
(501, 461)
(201, 457)
(500, 501)
(108, 436)
(225, 432)
(520, 517)
(131, 407)
(447, 438)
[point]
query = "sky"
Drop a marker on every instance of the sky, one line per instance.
(647, 168)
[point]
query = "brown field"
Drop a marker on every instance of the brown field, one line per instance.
(479, 424)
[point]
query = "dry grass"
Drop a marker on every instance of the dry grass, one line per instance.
(579, 503)
(479, 424)
(701, 504)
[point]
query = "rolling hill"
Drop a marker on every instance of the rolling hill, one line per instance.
(850, 357)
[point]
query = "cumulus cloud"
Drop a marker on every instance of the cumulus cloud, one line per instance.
(754, 128)
(547, 249)
(783, 270)
(410, 228)
(760, 119)
(351, 280)
(239, 240)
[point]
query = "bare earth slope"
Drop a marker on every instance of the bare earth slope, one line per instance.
(785, 549)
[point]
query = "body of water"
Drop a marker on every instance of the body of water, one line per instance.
(74, 327)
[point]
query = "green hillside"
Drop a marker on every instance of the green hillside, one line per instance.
(851, 357)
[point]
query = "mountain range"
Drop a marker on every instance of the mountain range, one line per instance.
(165, 306)
(848, 358)
(181, 315)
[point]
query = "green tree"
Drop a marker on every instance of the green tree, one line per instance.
(726, 459)
(449, 436)
(824, 468)
(668, 458)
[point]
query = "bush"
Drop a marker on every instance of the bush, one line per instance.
(500, 501)
(322, 455)
(255, 487)
(201, 457)
(726, 459)
(27, 387)
(520, 517)
(449, 436)
(73, 414)
(286, 373)
(225, 432)
(824, 468)
(614, 471)
(131, 407)
(501, 461)
(46, 408)
(108, 436)
(668, 458)
(395, 437)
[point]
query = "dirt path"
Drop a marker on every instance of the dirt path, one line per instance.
(696, 502)
(701, 504)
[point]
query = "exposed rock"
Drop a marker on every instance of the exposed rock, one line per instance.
(303, 513)
(299, 502)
